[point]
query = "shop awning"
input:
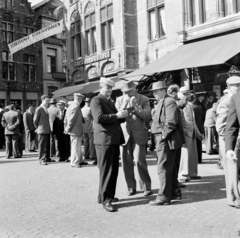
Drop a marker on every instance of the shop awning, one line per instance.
(85, 88)
(213, 51)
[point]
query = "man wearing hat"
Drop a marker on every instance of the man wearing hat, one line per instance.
(89, 148)
(200, 98)
(58, 129)
(107, 138)
(136, 137)
(74, 128)
(227, 126)
(168, 140)
(29, 129)
(53, 111)
(42, 125)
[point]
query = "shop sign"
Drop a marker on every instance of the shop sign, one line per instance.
(93, 59)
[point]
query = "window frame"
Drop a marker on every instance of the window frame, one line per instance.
(8, 62)
(29, 65)
(7, 31)
(53, 67)
(5, 3)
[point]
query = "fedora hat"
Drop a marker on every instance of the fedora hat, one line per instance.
(107, 81)
(53, 101)
(158, 85)
(127, 86)
(62, 102)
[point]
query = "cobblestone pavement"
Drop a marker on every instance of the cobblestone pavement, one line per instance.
(60, 201)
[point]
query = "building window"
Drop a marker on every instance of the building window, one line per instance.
(7, 4)
(51, 60)
(231, 7)
(107, 34)
(75, 32)
(28, 27)
(29, 68)
(8, 67)
(90, 29)
(156, 18)
(7, 28)
(51, 90)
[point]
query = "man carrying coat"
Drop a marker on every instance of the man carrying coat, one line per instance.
(136, 137)
(168, 140)
(107, 138)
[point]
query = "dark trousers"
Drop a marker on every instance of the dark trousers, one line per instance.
(199, 150)
(30, 140)
(211, 138)
(2, 137)
(165, 167)
(11, 145)
(108, 164)
(64, 147)
(89, 148)
(153, 144)
(53, 145)
(20, 144)
(44, 146)
(177, 161)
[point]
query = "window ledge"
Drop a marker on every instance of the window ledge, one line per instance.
(107, 50)
(154, 40)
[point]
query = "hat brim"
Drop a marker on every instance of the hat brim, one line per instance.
(187, 91)
(155, 89)
(125, 90)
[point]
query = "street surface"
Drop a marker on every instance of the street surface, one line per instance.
(60, 201)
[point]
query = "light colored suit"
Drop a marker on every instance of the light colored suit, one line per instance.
(189, 156)
(74, 128)
(136, 137)
(29, 130)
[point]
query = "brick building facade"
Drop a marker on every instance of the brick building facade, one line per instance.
(20, 73)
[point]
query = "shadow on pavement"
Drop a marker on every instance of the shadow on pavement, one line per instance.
(5, 161)
(208, 188)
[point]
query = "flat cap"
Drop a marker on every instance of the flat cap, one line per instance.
(107, 81)
(233, 80)
(78, 95)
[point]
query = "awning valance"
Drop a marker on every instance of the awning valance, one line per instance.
(213, 51)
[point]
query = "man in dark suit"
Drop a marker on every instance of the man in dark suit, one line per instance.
(200, 97)
(168, 140)
(53, 113)
(21, 131)
(199, 119)
(29, 129)
(10, 121)
(231, 160)
(41, 122)
(108, 136)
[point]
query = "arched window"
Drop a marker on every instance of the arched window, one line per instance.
(75, 32)
(156, 18)
(90, 29)
(7, 28)
(106, 17)
(27, 26)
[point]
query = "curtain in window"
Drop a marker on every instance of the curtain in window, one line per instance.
(104, 36)
(161, 15)
(152, 22)
(49, 64)
(94, 44)
(111, 34)
(88, 41)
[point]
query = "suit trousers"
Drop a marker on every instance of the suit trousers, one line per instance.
(108, 164)
(134, 152)
(165, 168)
(44, 146)
(89, 148)
(189, 158)
(76, 150)
(30, 140)
(20, 144)
(12, 145)
(53, 145)
(199, 150)
(231, 173)
(210, 138)
(64, 147)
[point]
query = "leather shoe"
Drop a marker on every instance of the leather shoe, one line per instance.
(109, 207)
(180, 185)
(115, 200)
(100, 201)
(95, 162)
(50, 160)
(159, 203)
(195, 177)
(131, 192)
(147, 193)
(42, 162)
(84, 163)
(76, 166)
(177, 197)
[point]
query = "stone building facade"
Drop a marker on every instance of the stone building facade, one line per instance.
(20, 73)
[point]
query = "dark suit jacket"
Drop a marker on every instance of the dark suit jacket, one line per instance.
(106, 126)
(10, 120)
(199, 117)
(233, 119)
(41, 121)
(166, 121)
(197, 102)
(28, 121)
(58, 125)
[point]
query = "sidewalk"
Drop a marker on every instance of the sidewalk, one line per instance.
(60, 201)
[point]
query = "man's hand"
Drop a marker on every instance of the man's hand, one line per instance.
(122, 114)
(200, 137)
(133, 102)
(231, 156)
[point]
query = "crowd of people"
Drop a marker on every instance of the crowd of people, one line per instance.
(180, 121)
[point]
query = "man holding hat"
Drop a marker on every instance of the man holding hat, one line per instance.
(74, 128)
(136, 137)
(227, 126)
(53, 111)
(89, 148)
(168, 140)
(107, 138)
